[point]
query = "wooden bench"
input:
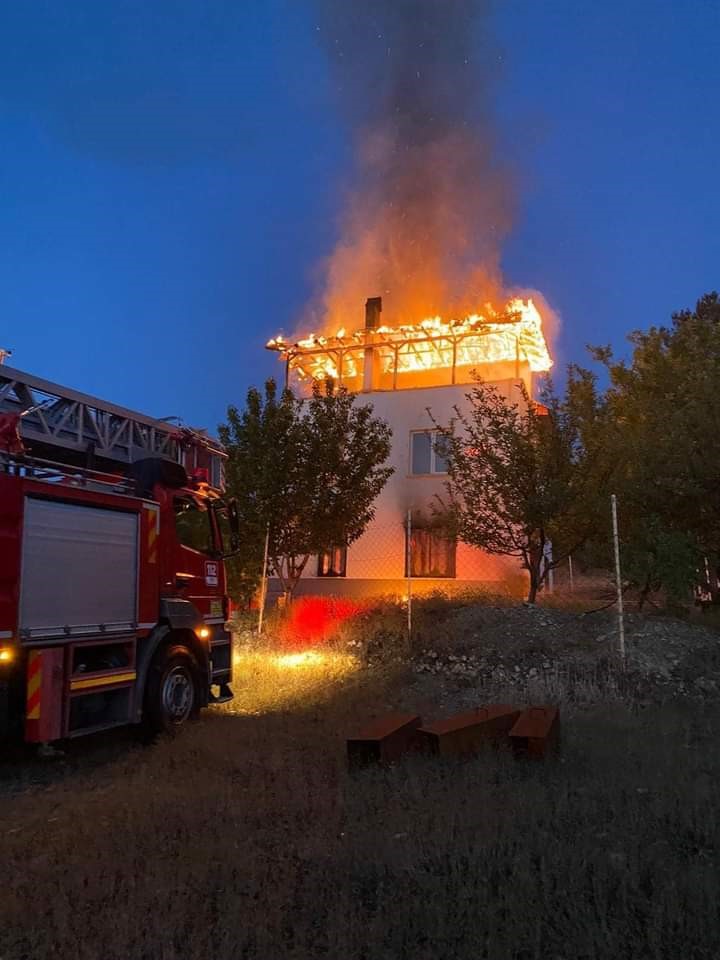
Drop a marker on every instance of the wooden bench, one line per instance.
(384, 740)
(466, 733)
(537, 732)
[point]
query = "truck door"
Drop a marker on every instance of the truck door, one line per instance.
(198, 571)
(199, 575)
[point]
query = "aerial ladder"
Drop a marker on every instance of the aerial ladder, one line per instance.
(59, 423)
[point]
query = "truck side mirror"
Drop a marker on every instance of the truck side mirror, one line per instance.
(234, 525)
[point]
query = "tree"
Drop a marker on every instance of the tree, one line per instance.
(307, 470)
(664, 406)
(523, 475)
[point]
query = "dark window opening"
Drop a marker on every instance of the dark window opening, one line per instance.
(192, 525)
(441, 449)
(428, 452)
(333, 562)
(431, 554)
(421, 460)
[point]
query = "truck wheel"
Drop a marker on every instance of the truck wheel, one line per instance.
(171, 692)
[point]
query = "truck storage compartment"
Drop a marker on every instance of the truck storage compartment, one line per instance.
(102, 656)
(101, 684)
(79, 569)
(99, 711)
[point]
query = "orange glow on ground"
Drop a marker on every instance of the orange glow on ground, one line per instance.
(310, 658)
(267, 680)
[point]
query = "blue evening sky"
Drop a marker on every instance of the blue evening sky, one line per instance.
(170, 173)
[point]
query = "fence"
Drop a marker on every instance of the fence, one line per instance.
(404, 559)
(410, 557)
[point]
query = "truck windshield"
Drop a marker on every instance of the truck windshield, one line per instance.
(192, 524)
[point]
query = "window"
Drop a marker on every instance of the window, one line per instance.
(192, 525)
(333, 562)
(427, 452)
(432, 554)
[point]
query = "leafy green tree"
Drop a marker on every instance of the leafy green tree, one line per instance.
(307, 470)
(664, 407)
(523, 475)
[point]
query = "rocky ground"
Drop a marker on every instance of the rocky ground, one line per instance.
(550, 651)
(565, 652)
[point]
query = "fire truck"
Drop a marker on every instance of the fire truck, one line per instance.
(113, 531)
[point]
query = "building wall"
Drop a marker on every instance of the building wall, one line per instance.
(376, 562)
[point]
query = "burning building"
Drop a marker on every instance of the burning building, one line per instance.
(431, 199)
(415, 376)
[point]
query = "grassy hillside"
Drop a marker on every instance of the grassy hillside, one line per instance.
(247, 838)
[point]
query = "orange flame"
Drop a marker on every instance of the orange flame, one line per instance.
(514, 335)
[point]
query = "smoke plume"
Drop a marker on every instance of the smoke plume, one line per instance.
(430, 203)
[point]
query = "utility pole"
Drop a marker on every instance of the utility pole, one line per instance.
(408, 564)
(263, 587)
(618, 579)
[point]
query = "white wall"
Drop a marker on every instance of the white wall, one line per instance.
(380, 553)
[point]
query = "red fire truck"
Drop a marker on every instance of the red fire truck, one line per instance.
(113, 532)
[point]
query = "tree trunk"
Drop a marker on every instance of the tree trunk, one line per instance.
(535, 557)
(295, 570)
(644, 593)
(534, 568)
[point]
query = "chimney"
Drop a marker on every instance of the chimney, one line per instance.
(373, 309)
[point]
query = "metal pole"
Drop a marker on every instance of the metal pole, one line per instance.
(618, 578)
(263, 588)
(550, 579)
(570, 575)
(408, 570)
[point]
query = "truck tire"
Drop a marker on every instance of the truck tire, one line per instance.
(171, 692)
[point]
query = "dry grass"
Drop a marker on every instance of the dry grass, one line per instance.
(247, 838)
(270, 680)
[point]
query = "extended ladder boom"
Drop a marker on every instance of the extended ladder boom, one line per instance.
(57, 422)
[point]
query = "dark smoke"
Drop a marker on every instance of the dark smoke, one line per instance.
(431, 203)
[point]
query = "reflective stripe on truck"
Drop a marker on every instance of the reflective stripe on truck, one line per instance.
(44, 698)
